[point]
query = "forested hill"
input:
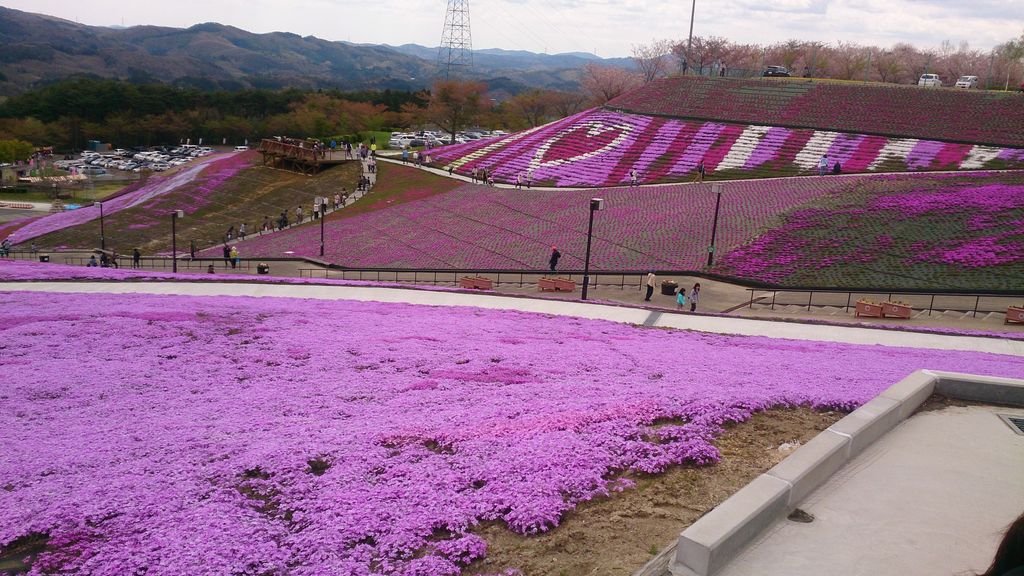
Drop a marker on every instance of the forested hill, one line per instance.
(39, 50)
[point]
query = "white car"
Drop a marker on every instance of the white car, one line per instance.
(967, 82)
(241, 148)
(930, 80)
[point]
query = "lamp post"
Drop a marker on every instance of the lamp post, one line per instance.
(595, 205)
(323, 215)
(717, 189)
(174, 237)
(689, 41)
(103, 237)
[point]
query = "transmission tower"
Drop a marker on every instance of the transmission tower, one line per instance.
(456, 51)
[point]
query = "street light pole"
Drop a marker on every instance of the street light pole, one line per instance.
(717, 189)
(174, 238)
(103, 237)
(595, 205)
(689, 41)
(323, 216)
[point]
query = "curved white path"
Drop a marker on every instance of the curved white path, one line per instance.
(623, 314)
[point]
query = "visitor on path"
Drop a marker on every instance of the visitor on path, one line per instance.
(555, 255)
(680, 298)
(700, 172)
(632, 177)
(405, 155)
(837, 168)
(234, 257)
(529, 178)
(230, 234)
(337, 200)
(241, 231)
(266, 225)
(651, 279)
(136, 258)
(227, 254)
(316, 208)
(694, 296)
(298, 215)
(344, 196)
(104, 260)
(92, 262)
(33, 249)
(192, 249)
(113, 260)
(823, 165)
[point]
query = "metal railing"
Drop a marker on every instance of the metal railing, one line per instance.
(909, 296)
(498, 277)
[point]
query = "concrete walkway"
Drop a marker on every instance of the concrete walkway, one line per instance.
(713, 324)
(931, 498)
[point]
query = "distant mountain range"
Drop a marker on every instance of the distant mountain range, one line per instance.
(38, 50)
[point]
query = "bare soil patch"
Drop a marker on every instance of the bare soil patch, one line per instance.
(618, 535)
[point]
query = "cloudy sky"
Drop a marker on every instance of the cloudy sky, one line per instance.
(606, 27)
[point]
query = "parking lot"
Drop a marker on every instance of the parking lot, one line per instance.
(157, 159)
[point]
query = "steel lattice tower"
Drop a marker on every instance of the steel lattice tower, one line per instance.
(456, 49)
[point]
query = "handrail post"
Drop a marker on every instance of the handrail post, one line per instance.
(809, 298)
(848, 296)
(931, 305)
(977, 299)
(751, 305)
(774, 293)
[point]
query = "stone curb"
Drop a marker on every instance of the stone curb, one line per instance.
(718, 536)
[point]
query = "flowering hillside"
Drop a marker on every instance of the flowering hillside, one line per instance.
(602, 147)
(975, 116)
(225, 435)
(217, 168)
(665, 227)
(946, 231)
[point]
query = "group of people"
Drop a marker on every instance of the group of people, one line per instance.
(823, 168)
(682, 299)
(111, 260)
(418, 158)
(481, 176)
(526, 179)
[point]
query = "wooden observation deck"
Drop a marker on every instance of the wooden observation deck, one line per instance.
(297, 157)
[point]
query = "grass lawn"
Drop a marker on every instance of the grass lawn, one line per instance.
(99, 191)
(248, 196)
(397, 185)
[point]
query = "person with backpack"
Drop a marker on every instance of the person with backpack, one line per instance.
(555, 255)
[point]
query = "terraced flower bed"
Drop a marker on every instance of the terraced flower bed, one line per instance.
(215, 196)
(603, 147)
(667, 227)
(975, 116)
(211, 170)
(945, 231)
(215, 435)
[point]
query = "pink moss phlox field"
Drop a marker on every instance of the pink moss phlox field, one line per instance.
(225, 435)
(602, 147)
(987, 117)
(217, 168)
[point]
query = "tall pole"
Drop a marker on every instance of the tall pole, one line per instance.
(174, 241)
(717, 189)
(689, 41)
(323, 216)
(595, 205)
(103, 237)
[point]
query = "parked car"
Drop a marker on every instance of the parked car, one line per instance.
(930, 80)
(967, 82)
(776, 71)
(241, 148)
(92, 170)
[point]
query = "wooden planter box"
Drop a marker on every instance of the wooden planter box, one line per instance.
(476, 282)
(868, 309)
(894, 310)
(1014, 314)
(547, 285)
(564, 285)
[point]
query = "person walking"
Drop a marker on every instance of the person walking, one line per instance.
(651, 279)
(337, 200)
(298, 215)
(234, 257)
(230, 235)
(192, 249)
(266, 225)
(136, 258)
(700, 172)
(553, 261)
(519, 181)
(633, 177)
(680, 298)
(823, 165)
(241, 231)
(227, 254)
(113, 260)
(694, 296)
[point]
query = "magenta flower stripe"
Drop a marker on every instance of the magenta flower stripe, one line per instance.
(599, 147)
